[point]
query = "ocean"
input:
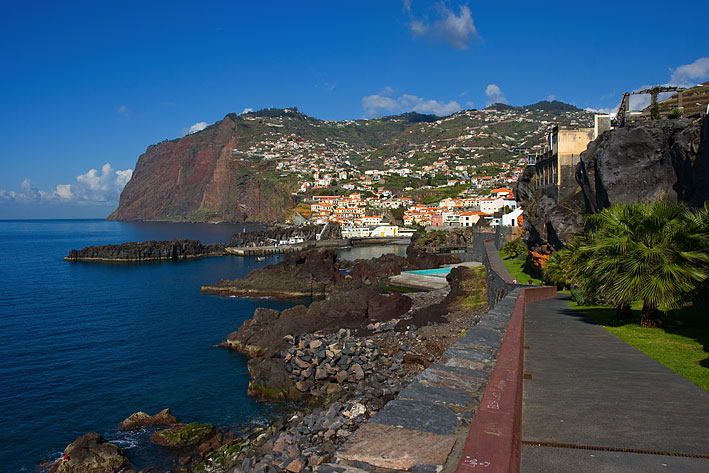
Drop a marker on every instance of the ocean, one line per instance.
(84, 345)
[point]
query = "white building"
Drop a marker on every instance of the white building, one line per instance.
(510, 219)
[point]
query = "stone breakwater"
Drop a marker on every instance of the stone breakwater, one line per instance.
(135, 252)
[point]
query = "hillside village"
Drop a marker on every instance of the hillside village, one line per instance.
(454, 171)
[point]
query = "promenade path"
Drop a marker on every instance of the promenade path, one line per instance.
(593, 403)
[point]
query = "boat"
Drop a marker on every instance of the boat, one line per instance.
(260, 258)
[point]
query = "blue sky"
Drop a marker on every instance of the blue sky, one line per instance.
(87, 86)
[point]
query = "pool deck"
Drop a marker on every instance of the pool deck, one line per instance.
(427, 282)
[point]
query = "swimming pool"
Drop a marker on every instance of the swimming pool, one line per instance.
(431, 272)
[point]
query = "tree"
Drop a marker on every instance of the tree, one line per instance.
(556, 272)
(514, 249)
(651, 252)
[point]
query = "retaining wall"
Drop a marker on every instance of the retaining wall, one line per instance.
(499, 280)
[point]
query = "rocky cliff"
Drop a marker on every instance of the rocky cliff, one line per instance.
(197, 178)
(666, 159)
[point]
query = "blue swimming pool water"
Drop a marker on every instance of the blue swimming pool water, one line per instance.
(431, 272)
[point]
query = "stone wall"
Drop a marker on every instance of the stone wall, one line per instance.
(499, 280)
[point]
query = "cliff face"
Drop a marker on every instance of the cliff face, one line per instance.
(197, 178)
(647, 162)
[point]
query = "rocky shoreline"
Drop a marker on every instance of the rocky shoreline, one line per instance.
(340, 360)
(372, 368)
(136, 252)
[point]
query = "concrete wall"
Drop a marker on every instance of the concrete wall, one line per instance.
(574, 141)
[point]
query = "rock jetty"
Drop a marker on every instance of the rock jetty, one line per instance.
(347, 377)
(135, 252)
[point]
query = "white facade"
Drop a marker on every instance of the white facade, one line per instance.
(510, 219)
(365, 232)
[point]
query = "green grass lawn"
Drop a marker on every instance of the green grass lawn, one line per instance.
(515, 266)
(682, 344)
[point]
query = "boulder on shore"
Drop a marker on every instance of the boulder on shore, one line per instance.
(141, 419)
(91, 453)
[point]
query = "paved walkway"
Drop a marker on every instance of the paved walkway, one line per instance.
(590, 389)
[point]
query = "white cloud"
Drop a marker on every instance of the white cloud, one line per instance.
(688, 75)
(375, 104)
(247, 110)
(199, 126)
(380, 104)
(494, 94)
(91, 187)
(612, 111)
(456, 30)
(387, 91)
(64, 191)
(551, 97)
(123, 110)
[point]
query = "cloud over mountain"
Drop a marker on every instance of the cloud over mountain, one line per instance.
(199, 126)
(382, 104)
(494, 94)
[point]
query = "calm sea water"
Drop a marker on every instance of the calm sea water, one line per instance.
(85, 345)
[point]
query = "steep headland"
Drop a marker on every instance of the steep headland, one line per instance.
(197, 178)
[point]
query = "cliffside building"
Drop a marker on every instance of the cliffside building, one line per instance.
(556, 165)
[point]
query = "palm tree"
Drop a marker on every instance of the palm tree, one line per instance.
(555, 271)
(653, 252)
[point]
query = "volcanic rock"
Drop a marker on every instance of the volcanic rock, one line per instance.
(141, 419)
(146, 251)
(91, 453)
(183, 435)
(342, 309)
(418, 258)
(664, 159)
(309, 273)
